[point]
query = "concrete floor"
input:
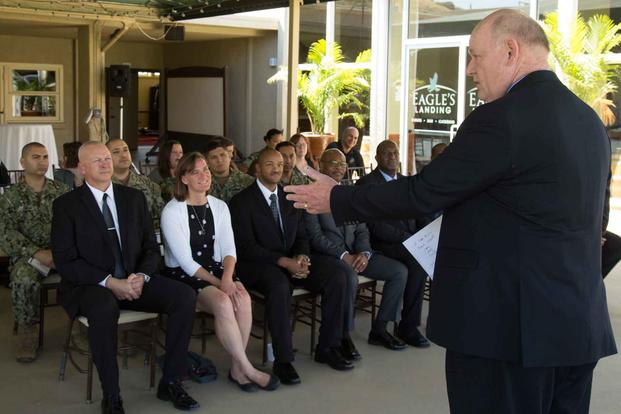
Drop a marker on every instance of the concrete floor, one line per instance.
(409, 381)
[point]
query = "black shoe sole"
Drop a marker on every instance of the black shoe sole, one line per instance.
(166, 397)
(333, 366)
(385, 345)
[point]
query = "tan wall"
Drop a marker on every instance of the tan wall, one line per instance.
(138, 55)
(24, 49)
(250, 101)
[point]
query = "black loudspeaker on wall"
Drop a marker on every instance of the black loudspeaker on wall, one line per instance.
(118, 80)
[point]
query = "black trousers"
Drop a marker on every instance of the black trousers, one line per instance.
(414, 288)
(276, 285)
(611, 252)
(161, 295)
(477, 385)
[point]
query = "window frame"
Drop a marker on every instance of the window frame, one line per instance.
(8, 94)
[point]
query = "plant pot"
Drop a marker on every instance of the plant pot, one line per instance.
(318, 143)
(30, 113)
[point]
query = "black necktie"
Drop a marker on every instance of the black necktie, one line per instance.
(119, 268)
(274, 208)
(276, 214)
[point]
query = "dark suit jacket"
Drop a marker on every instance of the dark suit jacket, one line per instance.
(331, 240)
(518, 270)
(82, 247)
(391, 231)
(257, 236)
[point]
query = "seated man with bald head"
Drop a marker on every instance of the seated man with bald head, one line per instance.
(387, 236)
(347, 145)
(105, 251)
(349, 243)
(274, 257)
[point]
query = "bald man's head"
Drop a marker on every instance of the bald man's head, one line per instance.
(333, 164)
(504, 47)
(95, 164)
(387, 157)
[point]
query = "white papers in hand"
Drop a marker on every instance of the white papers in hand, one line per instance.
(423, 245)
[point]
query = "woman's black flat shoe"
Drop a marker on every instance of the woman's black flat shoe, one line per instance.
(247, 387)
(273, 383)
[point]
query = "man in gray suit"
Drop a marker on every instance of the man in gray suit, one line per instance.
(350, 244)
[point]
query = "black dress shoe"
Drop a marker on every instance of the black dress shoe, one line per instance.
(286, 373)
(386, 340)
(333, 357)
(247, 387)
(348, 350)
(174, 392)
(414, 338)
(273, 383)
(112, 406)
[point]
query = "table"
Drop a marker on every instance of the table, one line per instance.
(13, 137)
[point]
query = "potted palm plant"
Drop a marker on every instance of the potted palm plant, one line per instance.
(580, 56)
(330, 83)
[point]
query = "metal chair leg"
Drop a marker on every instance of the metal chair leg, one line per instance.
(89, 380)
(264, 334)
(63, 358)
(152, 356)
(313, 323)
(42, 303)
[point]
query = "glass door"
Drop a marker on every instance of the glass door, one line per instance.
(437, 96)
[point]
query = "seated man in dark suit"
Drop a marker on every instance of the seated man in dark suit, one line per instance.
(273, 257)
(104, 248)
(350, 243)
(387, 236)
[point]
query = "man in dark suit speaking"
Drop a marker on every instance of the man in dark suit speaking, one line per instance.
(517, 298)
(105, 251)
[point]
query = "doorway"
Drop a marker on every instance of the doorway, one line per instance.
(436, 96)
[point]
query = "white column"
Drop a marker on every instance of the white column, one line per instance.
(379, 72)
(567, 11)
(292, 73)
(283, 56)
(403, 119)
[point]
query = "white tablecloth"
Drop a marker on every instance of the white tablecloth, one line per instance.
(14, 137)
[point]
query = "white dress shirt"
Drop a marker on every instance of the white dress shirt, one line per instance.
(267, 193)
(98, 194)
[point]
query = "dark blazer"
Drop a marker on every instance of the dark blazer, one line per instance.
(518, 270)
(257, 236)
(391, 231)
(82, 247)
(329, 239)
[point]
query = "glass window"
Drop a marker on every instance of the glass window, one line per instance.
(312, 27)
(353, 26)
(34, 92)
(457, 17)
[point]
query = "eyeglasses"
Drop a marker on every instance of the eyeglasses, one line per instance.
(339, 164)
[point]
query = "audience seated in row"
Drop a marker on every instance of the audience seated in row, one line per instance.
(200, 252)
(105, 250)
(274, 256)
